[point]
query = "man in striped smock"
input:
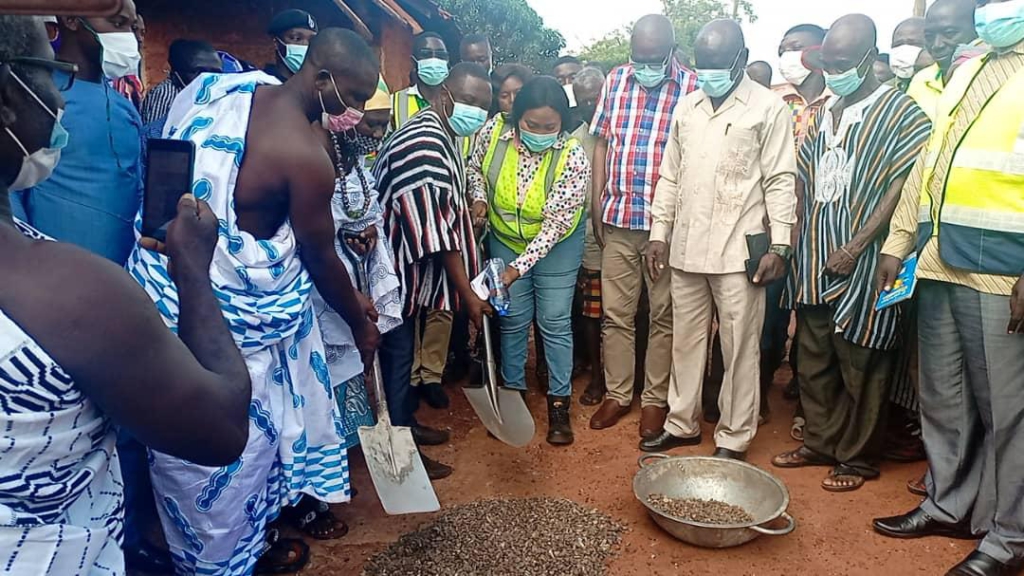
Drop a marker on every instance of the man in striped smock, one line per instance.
(852, 167)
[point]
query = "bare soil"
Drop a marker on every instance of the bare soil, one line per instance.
(833, 535)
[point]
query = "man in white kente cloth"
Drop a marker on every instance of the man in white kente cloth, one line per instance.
(269, 180)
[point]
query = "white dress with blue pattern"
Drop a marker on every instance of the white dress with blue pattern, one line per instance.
(215, 518)
(61, 496)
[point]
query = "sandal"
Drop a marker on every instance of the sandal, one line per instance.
(796, 432)
(315, 519)
(593, 396)
(917, 487)
(282, 555)
(843, 479)
(801, 458)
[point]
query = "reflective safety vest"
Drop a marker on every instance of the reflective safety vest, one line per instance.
(516, 224)
(980, 219)
(405, 106)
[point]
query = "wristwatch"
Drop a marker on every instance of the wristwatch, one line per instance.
(781, 250)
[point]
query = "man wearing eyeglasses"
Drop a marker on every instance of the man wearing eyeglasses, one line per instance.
(93, 196)
(632, 124)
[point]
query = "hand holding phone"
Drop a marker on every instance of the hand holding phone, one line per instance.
(169, 174)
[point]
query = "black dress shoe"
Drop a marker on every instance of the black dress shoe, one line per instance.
(981, 564)
(435, 469)
(918, 524)
(435, 396)
(426, 436)
(666, 441)
(729, 454)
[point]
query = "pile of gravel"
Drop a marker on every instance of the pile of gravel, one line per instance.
(523, 537)
(702, 511)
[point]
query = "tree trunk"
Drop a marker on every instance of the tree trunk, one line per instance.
(919, 6)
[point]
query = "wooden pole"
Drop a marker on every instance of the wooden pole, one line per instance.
(919, 7)
(736, 9)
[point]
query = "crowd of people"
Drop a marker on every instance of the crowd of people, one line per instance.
(659, 226)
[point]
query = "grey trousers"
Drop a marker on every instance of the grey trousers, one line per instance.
(972, 414)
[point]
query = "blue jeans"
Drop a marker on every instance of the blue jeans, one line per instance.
(544, 293)
(396, 355)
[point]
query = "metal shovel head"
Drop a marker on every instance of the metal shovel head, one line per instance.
(506, 416)
(397, 470)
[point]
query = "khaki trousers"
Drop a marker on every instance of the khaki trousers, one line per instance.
(433, 333)
(741, 319)
(623, 275)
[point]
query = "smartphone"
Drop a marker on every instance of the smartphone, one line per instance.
(169, 171)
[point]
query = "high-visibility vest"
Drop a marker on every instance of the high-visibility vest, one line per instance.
(515, 225)
(404, 106)
(926, 88)
(981, 215)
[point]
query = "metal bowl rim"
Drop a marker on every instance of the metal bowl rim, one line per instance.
(650, 467)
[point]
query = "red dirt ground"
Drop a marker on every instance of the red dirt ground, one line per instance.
(833, 535)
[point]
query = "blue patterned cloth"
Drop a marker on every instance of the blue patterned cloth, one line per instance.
(215, 518)
(61, 498)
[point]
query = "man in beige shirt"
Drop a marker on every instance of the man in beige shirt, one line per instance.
(729, 166)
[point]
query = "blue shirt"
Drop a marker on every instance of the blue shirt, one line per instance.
(96, 190)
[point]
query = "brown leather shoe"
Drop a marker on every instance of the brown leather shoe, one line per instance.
(652, 421)
(608, 415)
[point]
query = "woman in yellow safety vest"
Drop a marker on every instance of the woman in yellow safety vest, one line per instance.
(528, 178)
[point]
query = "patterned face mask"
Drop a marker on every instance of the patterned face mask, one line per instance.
(361, 145)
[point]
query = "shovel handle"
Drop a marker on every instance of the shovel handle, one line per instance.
(378, 385)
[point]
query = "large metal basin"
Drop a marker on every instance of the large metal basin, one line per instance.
(762, 495)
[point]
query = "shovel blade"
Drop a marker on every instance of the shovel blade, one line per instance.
(397, 470)
(509, 421)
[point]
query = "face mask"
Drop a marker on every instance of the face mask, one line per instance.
(902, 60)
(466, 120)
(571, 94)
(294, 56)
(38, 166)
(848, 82)
(537, 143)
(361, 144)
(120, 53)
(717, 83)
(339, 123)
(650, 76)
(1001, 25)
(432, 71)
(791, 64)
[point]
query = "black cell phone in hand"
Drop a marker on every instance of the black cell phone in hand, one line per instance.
(170, 166)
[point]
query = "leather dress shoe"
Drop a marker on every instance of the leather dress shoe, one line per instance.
(666, 441)
(981, 564)
(608, 415)
(918, 524)
(652, 421)
(435, 470)
(729, 454)
(426, 436)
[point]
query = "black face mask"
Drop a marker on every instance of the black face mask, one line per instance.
(359, 144)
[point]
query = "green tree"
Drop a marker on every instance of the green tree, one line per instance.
(517, 32)
(687, 16)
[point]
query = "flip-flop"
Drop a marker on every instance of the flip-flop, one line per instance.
(296, 551)
(315, 519)
(796, 432)
(588, 398)
(802, 457)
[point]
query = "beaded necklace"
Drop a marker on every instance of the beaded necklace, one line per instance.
(351, 212)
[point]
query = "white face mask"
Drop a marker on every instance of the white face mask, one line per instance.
(120, 54)
(38, 166)
(571, 93)
(791, 64)
(902, 60)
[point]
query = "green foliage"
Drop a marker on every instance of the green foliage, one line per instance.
(687, 16)
(517, 32)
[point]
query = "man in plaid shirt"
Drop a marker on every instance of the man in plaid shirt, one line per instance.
(632, 126)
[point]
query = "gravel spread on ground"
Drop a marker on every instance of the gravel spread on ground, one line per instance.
(505, 537)
(703, 511)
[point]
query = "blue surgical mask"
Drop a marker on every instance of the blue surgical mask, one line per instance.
(537, 143)
(650, 75)
(717, 82)
(39, 165)
(295, 56)
(432, 71)
(1001, 25)
(466, 120)
(848, 82)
